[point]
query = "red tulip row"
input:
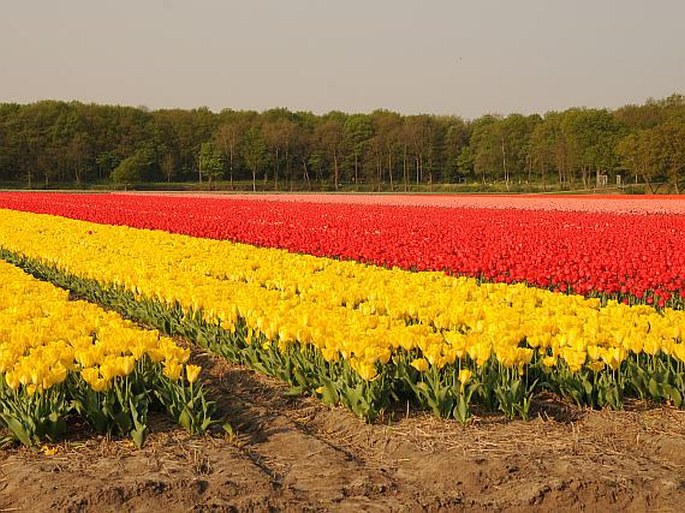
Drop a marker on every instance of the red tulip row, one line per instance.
(629, 256)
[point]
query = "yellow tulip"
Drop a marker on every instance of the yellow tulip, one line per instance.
(192, 372)
(464, 377)
(90, 375)
(101, 385)
(366, 370)
(172, 370)
(343, 309)
(12, 380)
(420, 364)
(549, 361)
(679, 351)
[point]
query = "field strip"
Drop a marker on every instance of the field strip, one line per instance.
(60, 356)
(617, 204)
(634, 257)
(363, 315)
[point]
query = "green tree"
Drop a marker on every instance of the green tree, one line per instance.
(254, 153)
(385, 147)
(228, 137)
(669, 139)
(106, 163)
(70, 142)
(516, 133)
(329, 137)
(456, 150)
(638, 154)
(486, 149)
(543, 142)
(358, 132)
(210, 163)
(279, 137)
(591, 136)
(422, 142)
(168, 166)
(133, 169)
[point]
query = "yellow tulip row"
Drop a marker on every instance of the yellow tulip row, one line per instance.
(347, 309)
(45, 336)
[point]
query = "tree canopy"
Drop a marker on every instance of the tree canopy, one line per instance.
(54, 143)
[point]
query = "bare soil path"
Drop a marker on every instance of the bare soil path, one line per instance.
(294, 454)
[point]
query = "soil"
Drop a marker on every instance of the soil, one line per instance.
(294, 454)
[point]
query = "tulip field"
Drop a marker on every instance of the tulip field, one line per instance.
(436, 301)
(58, 355)
(556, 243)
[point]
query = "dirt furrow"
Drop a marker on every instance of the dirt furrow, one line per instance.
(295, 454)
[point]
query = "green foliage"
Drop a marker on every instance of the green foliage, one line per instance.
(513, 394)
(122, 409)
(254, 152)
(33, 417)
(62, 144)
(210, 162)
(658, 379)
(490, 386)
(433, 389)
(187, 404)
(134, 169)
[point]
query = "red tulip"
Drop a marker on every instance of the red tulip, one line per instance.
(638, 250)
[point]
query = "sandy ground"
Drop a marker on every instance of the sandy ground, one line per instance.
(294, 454)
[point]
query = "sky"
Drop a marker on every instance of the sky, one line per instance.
(465, 58)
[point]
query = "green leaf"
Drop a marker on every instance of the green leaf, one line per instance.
(329, 394)
(674, 395)
(294, 391)
(17, 428)
(185, 420)
(138, 436)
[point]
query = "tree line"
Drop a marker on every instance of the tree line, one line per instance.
(55, 143)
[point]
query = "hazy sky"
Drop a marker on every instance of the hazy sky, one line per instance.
(434, 56)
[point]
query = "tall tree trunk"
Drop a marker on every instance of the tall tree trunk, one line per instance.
(649, 184)
(504, 164)
(276, 164)
(288, 168)
(306, 177)
(356, 171)
(379, 170)
(674, 175)
(336, 171)
(231, 168)
(405, 169)
(419, 171)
